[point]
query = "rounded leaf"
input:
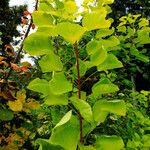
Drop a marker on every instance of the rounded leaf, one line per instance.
(6, 115)
(50, 63)
(70, 31)
(59, 84)
(38, 44)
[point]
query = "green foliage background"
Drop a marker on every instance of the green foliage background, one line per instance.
(84, 90)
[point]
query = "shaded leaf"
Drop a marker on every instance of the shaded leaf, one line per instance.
(6, 115)
(82, 68)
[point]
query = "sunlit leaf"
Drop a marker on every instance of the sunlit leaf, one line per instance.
(143, 22)
(104, 86)
(66, 135)
(110, 42)
(39, 85)
(92, 47)
(42, 18)
(53, 61)
(111, 62)
(70, 31)
(45, 145)
(65, 119)
(98, 57)
(52, 99)
(96, 20)
(103, 107)
(83, 107)
(38, 44)
(104, 32)
(70, 6)
(113, 142)
(59, 84)
(146, 140)
(82, 147)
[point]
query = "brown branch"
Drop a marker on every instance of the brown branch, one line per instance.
(78, 69)
(78, 86)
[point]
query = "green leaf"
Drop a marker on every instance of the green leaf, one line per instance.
(122, 29)
(45, 7)
(146, 140)
(39, 85)
(143, 22)
(83, 107)
(96, 20)
(52, 99)
(104, 32)
(89, 147)
(130, 31)
(6, 115)
(117, 107)
(109, 43)
(103, 107)
(143, 35)
(142, 58)
(98, 57)
(113, 142)
(51, 62)
(111, 62)
(65, 119)
(70, 6)
(59, 84)
(48, 29)
(70, 31)
(42, 18)
(92, 47)
(45, 145)
(139, 56)
(42, 86)
(38, 44)
(66, 135)
(104, 86)
(108, 1)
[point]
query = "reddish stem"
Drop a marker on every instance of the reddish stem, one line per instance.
(78, 86)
